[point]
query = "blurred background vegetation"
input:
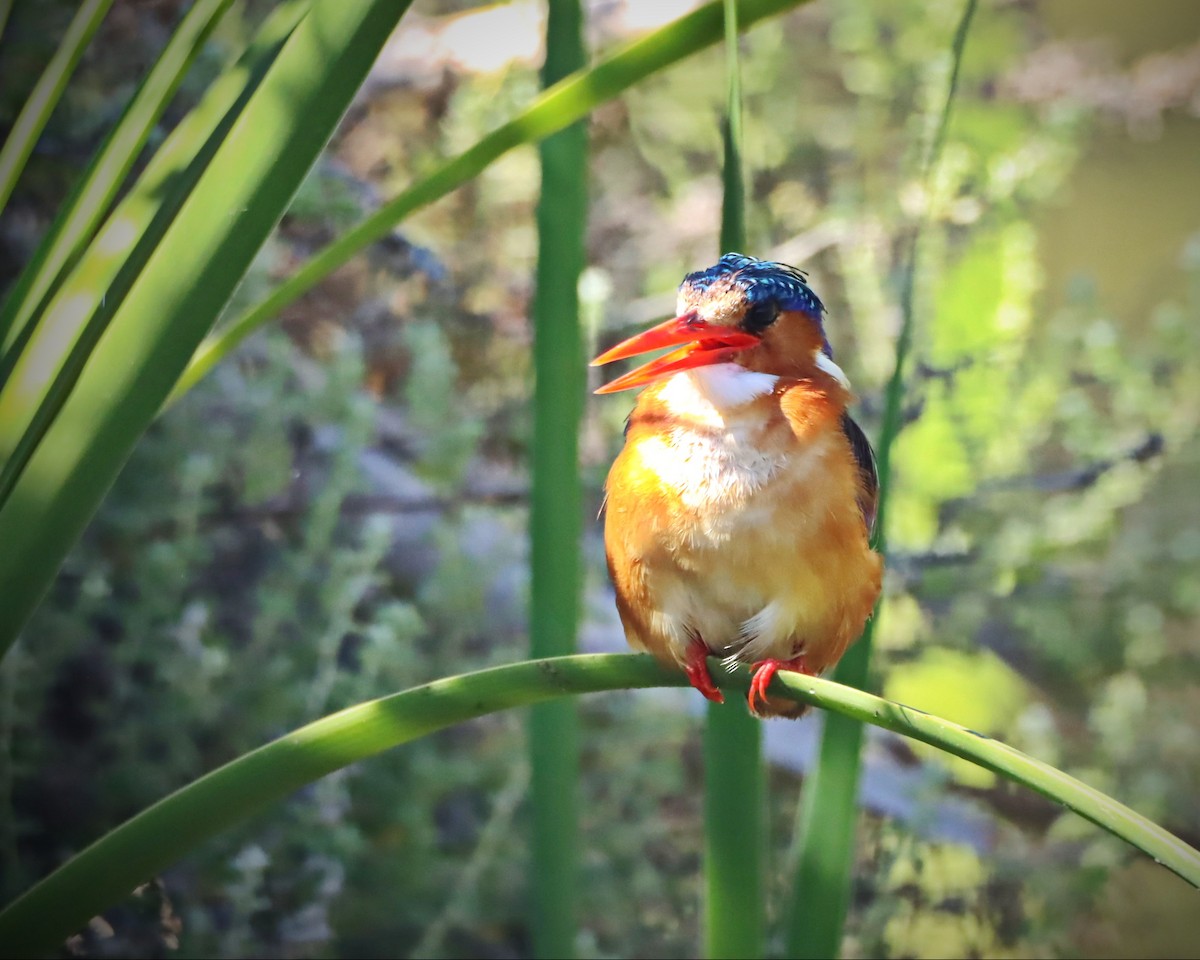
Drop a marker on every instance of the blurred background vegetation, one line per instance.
(340, 510)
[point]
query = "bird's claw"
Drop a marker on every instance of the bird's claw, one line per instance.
(764, 673)
(698, 676)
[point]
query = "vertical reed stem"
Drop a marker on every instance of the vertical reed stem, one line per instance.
(556, 505)
(734, 777)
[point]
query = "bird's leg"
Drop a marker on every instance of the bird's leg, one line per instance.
(696, 668)
(764, 672)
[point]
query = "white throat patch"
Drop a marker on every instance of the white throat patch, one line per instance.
(708, 392)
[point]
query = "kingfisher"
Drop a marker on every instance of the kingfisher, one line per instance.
(739, 512)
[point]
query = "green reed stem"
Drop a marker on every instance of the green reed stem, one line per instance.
(734, 775)
(106, 872)
(556, 502)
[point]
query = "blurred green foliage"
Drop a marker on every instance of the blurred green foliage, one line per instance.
(339, 512)
(947, 683)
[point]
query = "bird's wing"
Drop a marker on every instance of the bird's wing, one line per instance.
(860, 446)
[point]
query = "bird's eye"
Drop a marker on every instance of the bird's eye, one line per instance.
(760, 315)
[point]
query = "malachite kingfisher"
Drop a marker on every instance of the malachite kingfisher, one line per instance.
(738, 514)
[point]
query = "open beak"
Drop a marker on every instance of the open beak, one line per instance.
(703, 344)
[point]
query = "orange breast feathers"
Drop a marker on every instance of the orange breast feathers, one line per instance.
(735, 523)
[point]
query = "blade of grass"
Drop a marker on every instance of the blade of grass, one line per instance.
(49, 356)
(46, 94)
(558, 107)
(734, 775)
(828, 815)
(556, 502)
(76, 221)
(186, 282)
(105, 872)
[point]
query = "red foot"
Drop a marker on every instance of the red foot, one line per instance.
(696, 669)
(764, 672)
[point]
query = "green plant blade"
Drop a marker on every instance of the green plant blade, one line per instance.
(91, 196)
(827, 820)
(556, 500)
(46, 94)
(109, 869)
(48, 357)
(559, 107)
(177, 296)
(734, 776)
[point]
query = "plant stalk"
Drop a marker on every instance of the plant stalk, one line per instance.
(734, 775)
(556, 502)
(105, 873)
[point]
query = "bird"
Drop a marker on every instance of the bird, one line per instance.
(738, 515)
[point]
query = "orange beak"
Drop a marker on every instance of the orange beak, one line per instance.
(704, 343)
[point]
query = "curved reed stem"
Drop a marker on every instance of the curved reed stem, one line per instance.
(106, 871)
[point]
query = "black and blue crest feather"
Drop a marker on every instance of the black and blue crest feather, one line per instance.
(762, 281)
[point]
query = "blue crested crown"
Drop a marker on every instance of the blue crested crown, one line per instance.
(762, 280)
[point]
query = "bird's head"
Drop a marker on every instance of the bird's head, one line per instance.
(758, 314)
